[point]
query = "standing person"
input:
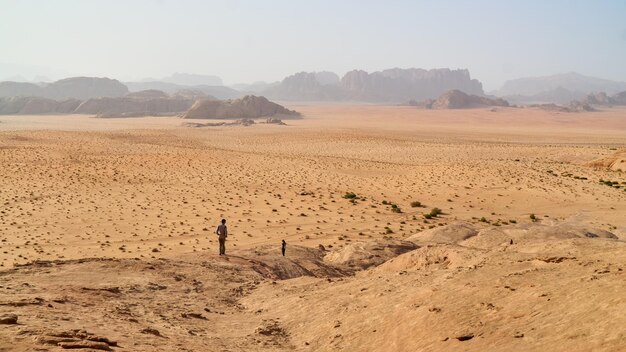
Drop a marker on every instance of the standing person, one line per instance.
(222, 233)
(284, 246)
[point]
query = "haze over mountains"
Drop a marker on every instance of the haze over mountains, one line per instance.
(559, 88)
(394, 85)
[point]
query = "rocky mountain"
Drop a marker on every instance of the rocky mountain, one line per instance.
(558, 88)
(327, 78)
(142, 103)
(455, 99)
(308, 86)
(397, 85)
(558, 95)
(69, 88)
(84, 88)
(249, 106)
(393, 85)
(588, 103)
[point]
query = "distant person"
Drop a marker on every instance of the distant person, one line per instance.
(222, 233)
(284, 246)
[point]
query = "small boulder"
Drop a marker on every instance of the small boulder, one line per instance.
(8, 319)
(94, 345)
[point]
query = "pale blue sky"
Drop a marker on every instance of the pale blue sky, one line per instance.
(246, 41)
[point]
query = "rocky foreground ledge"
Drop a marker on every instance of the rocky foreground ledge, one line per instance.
(537, 286)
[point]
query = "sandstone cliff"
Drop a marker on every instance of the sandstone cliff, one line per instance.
(307, 86)
(396, 85)
(393, 85)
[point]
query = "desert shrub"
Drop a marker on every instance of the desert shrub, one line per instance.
(513, 221)
(416, 204)
(385, 202)
(428, 216)
(349, 195)
(483, 219)
(435, 211)
(533, 217)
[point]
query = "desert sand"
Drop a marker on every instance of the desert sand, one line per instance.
(107, 232)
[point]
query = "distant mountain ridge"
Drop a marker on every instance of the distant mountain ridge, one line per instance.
(220, 92)
(392, 85)
(68, 88)
(190, 79)
(559, 88)
(144, 103)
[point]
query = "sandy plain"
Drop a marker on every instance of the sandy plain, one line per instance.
(106, 226)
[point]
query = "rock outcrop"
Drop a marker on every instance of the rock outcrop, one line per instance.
(249, 107)
(614, 162)
(191, 93)
(620, 98)
(36, 105)
(574, 106)
(455, 99)
(131, 106)
(599, 99)
(142, 103)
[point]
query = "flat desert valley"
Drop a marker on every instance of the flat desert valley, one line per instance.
(107, 232)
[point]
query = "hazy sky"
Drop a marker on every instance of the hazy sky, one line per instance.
(246, 41)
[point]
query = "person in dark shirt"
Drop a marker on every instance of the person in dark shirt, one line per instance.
(222, 233)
